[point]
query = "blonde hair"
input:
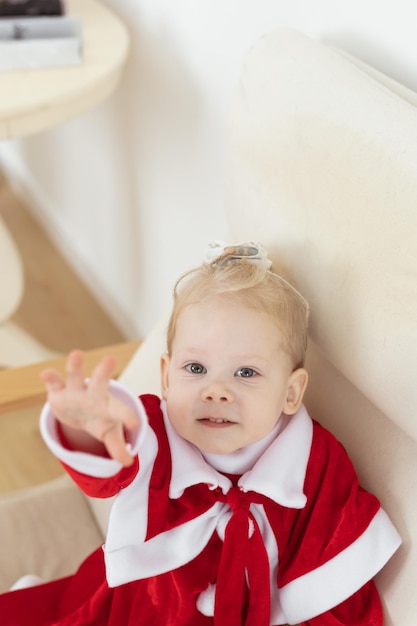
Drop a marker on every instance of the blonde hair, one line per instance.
(250, 284)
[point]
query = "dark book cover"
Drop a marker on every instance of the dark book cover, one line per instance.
(31, 8)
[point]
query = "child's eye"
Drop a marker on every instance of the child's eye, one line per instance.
(195, 368)
(245, 372)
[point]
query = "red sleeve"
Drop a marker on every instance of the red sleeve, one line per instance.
(362, 609)
(104, 487)
(99, 487)
(334, 546)
(337, 512)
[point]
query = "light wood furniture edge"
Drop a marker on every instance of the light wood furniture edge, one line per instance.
(22, 387)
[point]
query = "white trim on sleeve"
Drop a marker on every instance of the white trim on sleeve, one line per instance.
(335, 581)
(89, 464)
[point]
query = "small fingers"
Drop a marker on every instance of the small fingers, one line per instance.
(75, 370)
(115, 438)
(102, 374)
(52, 380)
(126, 416)
(117, 447)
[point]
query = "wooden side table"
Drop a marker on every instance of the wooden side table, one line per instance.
(33, 100)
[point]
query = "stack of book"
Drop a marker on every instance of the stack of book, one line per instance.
(38, 33)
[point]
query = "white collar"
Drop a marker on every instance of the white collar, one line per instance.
(278, 473)
(241, 461)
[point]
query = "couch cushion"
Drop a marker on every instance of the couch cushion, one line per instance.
(45, 530)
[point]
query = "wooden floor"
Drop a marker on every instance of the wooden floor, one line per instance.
(59, 312)
(57, 308)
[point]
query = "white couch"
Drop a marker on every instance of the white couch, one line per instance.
(323, 170)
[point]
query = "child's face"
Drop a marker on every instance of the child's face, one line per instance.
(228, 380)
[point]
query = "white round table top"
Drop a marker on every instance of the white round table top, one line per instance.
(34, 100)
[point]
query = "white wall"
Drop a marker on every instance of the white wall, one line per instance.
(132, 191)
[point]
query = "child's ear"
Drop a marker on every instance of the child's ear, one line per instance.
(297, 384)
(165, 361)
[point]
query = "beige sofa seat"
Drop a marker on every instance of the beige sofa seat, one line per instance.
(53, 530)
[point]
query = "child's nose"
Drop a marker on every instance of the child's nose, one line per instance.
(216, 392)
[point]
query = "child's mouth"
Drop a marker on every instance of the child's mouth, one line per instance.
(215, 421)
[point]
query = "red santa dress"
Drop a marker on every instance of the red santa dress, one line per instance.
(279, 533)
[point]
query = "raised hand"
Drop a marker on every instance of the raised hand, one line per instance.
(92, 419)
